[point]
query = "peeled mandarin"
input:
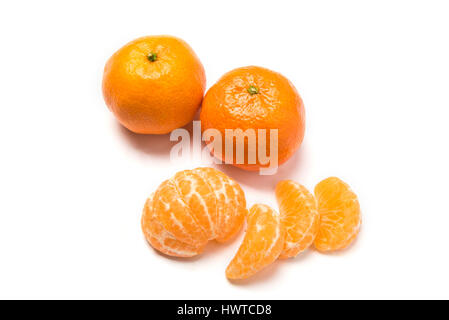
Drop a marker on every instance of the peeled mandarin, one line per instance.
(191, 208)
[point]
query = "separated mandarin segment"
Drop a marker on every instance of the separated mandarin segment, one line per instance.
(340, 216)
(262, 244)
(299, 215)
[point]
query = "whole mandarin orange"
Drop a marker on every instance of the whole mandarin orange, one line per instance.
(254, 98)
(154, 84)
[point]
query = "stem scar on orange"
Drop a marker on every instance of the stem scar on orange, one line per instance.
(154, 84)
(254, 98)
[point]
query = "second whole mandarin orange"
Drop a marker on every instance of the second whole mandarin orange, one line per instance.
(254, 98)
(154, 84)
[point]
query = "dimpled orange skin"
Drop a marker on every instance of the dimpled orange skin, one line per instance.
(154, 97)
(340, 216)
(261, 246)
(299, 215)
(276, 105)
(192, 208)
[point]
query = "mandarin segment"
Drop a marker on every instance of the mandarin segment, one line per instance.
(190, 209)
(199, 196)
(233, 221)
(340, 217)
(231, 203)
(299, 215)
(161, 239)
(262, 244)
(176, 216)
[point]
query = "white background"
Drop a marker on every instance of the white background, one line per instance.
(374, 76)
